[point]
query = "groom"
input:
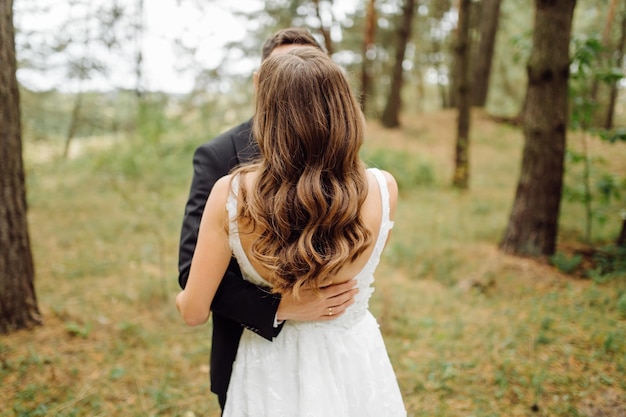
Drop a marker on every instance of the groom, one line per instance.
(238, 303)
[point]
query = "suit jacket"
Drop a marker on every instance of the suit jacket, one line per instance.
(237, 303)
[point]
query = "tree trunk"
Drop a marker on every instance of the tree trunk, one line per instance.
(463, 93)
(139, 51)
(452, 72)
(391, 114)
(18, 303)
(489, 17)
(608, 124)
(368, 49)
(324, 29)
(533, 224)
(453, 87)
(606, 39)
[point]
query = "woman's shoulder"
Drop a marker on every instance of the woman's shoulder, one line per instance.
(223, 184)
(221, 189)
(234, 182)
(390, 180)
(392, 189)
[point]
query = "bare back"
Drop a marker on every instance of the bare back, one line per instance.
(372, 215)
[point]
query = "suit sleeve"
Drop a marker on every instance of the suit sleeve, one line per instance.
(236, 299)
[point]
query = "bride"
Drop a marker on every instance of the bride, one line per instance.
(306, 215)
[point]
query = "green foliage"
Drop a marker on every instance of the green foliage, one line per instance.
(584, 71)
(615, 135)
(76, 329)
(610, 187)
(605, 189)
(609, 263)
(587, 70)
(567, 264)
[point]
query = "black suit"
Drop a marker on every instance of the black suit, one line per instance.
(237, 303)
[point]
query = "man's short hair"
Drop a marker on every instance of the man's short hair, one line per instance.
(289, 36)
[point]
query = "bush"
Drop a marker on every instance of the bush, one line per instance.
(408, 170)
(566, 263)
(609, 262)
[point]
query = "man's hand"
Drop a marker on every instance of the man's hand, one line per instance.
(329, 304)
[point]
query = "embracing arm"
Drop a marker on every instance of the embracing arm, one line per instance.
(210, 260)
(209, 165)
(236, 299)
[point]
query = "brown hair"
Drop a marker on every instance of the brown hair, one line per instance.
(289, 36)
(306, 200)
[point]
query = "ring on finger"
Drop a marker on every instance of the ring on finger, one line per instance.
(330, 311)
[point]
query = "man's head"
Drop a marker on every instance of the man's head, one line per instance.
(284, 39)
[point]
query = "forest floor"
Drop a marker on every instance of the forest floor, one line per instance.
(470, 331)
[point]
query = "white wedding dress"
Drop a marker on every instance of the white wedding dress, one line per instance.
(336, 368)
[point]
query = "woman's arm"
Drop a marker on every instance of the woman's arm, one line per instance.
(210, 259)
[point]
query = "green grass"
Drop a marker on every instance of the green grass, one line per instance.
(470, 331)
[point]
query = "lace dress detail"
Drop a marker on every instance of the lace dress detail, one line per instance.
(336, 368)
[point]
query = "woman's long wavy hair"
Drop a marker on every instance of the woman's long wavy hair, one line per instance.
(311, 184)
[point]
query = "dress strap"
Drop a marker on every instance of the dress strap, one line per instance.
(386, 223)
(231, 203)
